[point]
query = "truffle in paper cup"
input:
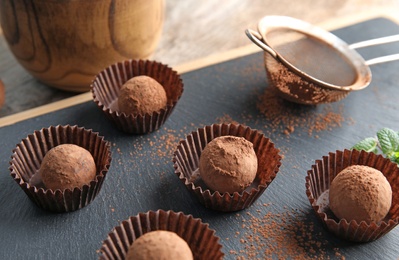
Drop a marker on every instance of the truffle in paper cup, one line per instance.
(186, 162)
(202, 240)
(29, 153)
(106, 87)
(318, 182)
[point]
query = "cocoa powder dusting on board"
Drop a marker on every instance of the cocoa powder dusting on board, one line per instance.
(160, 146)
(156, 150)
(226, 119)
(286, 116)
(282, 236)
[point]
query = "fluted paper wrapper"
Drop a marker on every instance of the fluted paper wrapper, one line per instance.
(186, 163)
(318, 182)
(106, 87)
(295, 88)
(28, 155)
(202, 240)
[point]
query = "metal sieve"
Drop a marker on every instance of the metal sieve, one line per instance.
(309, 65)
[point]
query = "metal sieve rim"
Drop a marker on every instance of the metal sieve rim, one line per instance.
(274, 22)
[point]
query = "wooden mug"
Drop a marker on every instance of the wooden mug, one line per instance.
(66, 43)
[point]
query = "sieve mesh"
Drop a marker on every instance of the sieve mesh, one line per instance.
(315, 57)
(296, 89)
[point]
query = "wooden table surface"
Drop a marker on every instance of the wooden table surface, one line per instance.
(192, 30)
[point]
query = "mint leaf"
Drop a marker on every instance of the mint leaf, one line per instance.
(394, 157)
(369, 145)
(389, 141)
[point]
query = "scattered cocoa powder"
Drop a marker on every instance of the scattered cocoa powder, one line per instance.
(226, 119)
(286, 116)
(148, 149)
(289, 129)
(281, 236)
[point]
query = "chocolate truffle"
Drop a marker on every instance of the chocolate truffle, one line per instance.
(160, 244)
(360, 193)
(67, 166)
(228, 164)
(141, 95)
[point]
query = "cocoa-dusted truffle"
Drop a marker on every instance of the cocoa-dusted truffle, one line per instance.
(141, 95)
(67, 166)
(159, 244)
(360, 193)
(228, 164)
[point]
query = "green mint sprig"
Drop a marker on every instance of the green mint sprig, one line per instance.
(387, 142)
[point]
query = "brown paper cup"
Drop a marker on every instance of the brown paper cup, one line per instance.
(318, 182)
(28, 155)
(106, 85)
(186, 161)
(200, 238)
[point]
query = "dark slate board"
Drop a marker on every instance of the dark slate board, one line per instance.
(141, 176)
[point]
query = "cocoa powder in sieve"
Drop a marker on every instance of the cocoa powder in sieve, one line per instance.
(298, 89)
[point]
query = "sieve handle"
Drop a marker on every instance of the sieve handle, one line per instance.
(383, 59)
(256, 38)
(378, 41)
(373, 42)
